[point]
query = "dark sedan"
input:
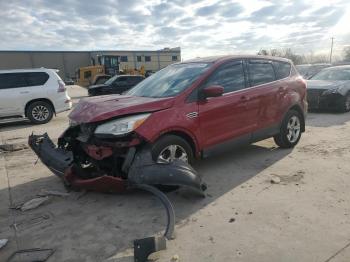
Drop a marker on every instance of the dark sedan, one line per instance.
(115, 85)
(330, 89)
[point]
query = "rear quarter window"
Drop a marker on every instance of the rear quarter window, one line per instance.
(282, 69)
(261, 72)
(36, 78)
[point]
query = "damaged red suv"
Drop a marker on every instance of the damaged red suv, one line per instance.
(185, 111)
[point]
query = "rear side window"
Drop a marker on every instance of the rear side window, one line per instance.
(261, 72)
(230, 76)
(282, 69)
(16, 80)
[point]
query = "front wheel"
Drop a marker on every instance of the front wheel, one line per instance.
(290, 131)
(171, 147)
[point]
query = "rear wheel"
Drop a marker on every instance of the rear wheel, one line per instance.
(39, 112)
(290, 131)
(171, 147)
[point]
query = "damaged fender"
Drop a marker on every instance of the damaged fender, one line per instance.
(178, 173)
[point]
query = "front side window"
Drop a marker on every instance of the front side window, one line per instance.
(260, 72)
(230, 76)
(169, 81)
(340, 74)
(282, 69)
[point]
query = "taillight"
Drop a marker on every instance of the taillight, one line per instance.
(61, 86)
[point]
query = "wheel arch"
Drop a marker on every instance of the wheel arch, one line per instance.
(38, 100)
(189, 138)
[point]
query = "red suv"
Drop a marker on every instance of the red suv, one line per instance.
(188, 110)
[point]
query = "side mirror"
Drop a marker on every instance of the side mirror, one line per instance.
(213, 91)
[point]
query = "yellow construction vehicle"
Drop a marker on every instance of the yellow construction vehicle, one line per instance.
(108, 66)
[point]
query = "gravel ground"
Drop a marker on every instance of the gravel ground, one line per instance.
(305, 216)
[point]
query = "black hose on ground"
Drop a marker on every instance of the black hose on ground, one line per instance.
(169, 231)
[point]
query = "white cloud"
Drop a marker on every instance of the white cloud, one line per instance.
(200, 27)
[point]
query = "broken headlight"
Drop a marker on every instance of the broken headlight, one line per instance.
(121, 126)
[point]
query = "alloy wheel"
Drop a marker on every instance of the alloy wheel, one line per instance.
(40, 113)
(293, 129)
(172, 152)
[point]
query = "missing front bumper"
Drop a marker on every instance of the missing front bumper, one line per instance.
(138, 165)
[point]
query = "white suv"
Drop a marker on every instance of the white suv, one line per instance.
(33, 93)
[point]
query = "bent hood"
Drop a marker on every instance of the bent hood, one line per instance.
(101, 108)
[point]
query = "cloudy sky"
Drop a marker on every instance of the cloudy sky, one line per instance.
(199, 27)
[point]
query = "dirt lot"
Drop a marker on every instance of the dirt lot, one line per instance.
(305, 217)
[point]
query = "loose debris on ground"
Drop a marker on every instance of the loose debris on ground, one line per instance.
(6, 148)
(34, 203)
(45, 192)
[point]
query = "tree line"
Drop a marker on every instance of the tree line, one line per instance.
(305, 59)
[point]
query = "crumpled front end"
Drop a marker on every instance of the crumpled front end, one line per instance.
(111, 164)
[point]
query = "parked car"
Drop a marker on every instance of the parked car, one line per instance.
(309, 70)
(330, 89)
(115, 85)
(184, 111)
(69, 82)
(36, 94)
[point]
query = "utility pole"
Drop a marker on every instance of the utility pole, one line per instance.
(330, 57)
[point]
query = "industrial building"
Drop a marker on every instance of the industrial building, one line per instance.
(68, 61)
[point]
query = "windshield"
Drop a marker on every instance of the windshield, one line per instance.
(169, 81)
(341, 74)
(111, 80)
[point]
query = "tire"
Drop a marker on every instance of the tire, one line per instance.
(345, 106)
(39, 112)
(290, 132)
(163, 149)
